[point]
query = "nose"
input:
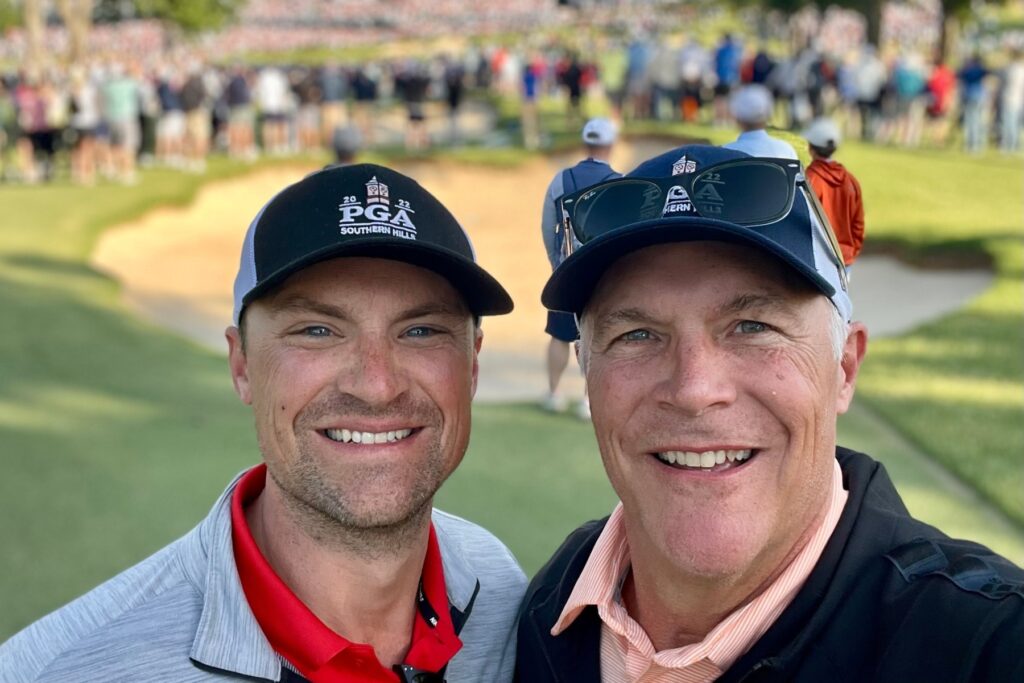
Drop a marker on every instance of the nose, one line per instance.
(375, 374)
(699, 377)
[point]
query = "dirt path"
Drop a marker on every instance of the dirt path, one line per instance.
(177, 265)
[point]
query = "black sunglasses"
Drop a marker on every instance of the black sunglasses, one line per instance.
(747, 192)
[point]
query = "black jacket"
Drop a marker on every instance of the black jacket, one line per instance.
(891, 599)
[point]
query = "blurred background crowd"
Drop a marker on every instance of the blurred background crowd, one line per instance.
(284, 77)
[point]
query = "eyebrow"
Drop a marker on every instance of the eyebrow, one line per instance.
(747, 302)
(622, 316)
(297, 303)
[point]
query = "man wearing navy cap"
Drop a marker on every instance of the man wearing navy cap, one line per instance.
(716, 340)
(355, 342)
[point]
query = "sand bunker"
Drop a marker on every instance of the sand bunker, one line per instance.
(177, 265)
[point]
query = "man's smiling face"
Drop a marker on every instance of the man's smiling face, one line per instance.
(714, 385)
(360, 373)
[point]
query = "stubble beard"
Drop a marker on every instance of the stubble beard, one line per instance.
(351, 514)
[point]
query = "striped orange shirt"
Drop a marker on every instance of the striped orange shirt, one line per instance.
(627, 655)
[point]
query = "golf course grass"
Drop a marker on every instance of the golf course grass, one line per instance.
(116, 436)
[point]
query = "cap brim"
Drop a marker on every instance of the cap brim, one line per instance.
(573, 282)
(482, 293)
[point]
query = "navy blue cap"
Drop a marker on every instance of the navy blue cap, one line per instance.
(798, 239)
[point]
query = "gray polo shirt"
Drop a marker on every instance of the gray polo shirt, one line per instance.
(181, 615)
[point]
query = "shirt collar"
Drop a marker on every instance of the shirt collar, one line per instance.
(598, 585)
(227, 637)
(297, 634)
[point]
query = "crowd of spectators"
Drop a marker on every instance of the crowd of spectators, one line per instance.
(157, 104)
(107, 116)
(901, 96)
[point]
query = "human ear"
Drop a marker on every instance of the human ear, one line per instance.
(238, 363)
(853, 354)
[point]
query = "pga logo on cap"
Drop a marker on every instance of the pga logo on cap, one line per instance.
(380, 217)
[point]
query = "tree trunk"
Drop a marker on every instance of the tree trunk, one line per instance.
(34, 27)
(949, 37)
(873, 14)
(77, 15)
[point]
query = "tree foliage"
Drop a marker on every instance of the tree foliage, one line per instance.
(191, 15)
(10, 15)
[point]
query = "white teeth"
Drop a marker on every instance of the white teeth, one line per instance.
(346, 436)
(705, 460)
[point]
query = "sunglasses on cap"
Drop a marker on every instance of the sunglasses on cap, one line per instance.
(750, 193)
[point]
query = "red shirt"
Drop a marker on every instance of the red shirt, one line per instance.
(317, 652)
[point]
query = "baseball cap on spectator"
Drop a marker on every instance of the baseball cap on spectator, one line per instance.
(752, 104)
(599, 132)
(346, 141)
(823, 133)
(798, 239)
(360, 210)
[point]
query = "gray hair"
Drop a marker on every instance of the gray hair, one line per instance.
(838, 329)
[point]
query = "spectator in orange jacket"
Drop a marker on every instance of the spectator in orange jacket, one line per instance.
(836, 187)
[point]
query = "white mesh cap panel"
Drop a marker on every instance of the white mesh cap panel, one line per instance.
(825, 264)
(245, 280)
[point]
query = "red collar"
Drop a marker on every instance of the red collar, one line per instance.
(320, 654)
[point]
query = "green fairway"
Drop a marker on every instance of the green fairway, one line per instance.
(115, 436)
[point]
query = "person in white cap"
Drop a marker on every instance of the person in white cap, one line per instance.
(598, 136)
(837, 189)
(752, 106)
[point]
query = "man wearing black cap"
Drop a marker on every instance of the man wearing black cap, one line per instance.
(716, 339)
(355, 342)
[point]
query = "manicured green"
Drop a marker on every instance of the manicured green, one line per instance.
(116, 436)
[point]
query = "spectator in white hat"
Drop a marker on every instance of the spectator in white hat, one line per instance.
(837, 189)
(752, 106)
(598, 136)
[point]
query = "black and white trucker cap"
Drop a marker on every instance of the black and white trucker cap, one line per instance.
(360, 210)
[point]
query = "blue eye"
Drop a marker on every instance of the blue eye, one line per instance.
(637, 335)
(420, 332)
(751, 327)
(316, 331)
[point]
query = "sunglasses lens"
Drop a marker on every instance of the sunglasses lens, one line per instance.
(747, 194)
(612, 206)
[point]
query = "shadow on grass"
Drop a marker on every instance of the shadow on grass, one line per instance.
(51, 266)
(115, 439)
(953, 387)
